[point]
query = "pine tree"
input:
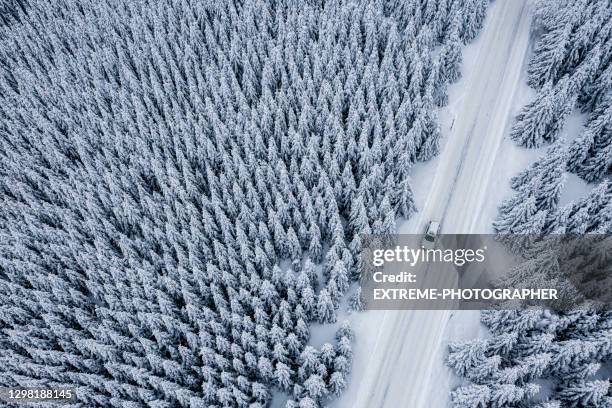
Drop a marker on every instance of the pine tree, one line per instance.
(337, 383)
(549, 54)
(355, 301)
(282, 373)
(517, 213)
(452, 58)
(463, 357)
(545, 177)
(315, 386)
(589, 393)
(591, 150)
(326, 312)
(474, 396)
(541, 120)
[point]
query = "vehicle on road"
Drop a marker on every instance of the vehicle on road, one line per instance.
(431, 234)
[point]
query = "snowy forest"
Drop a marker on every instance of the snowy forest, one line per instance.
(571, 68)
(535, 358)
(538, 358)
(183, 185)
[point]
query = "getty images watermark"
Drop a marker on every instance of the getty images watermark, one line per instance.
(485, 271)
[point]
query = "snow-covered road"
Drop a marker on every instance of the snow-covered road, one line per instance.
(407, 346)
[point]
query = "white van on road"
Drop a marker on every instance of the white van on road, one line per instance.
(431, 234)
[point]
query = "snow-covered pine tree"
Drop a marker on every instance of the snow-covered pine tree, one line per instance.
(546, 177)
(591, 152)
(541, 120)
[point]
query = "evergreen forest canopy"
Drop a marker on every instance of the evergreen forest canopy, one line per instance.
(182, 185)
(540, 358)
(571, 67)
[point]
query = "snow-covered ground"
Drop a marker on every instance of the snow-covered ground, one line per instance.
(399, 354)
